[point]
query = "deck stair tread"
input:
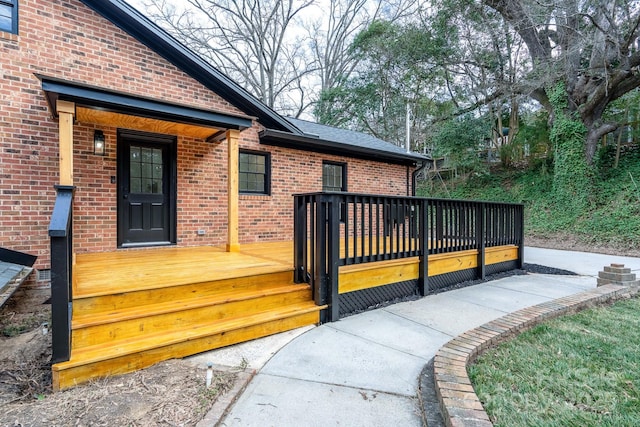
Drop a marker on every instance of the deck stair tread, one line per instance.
(132, 309)
(122, 299)
(91, 318)
(101, 286)
(111, 350)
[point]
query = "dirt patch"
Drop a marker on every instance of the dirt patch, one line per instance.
(170, 393)
(25, 371)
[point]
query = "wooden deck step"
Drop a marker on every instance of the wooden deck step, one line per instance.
(132, 354)
(104, 301)
(90, 329)
(90, 318)
(132, 309)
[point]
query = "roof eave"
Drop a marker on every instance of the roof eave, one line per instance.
(94, 97)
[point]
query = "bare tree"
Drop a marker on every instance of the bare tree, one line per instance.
(481, 57)
(331, 39)
(252, 41)
(270, 49)
(333, 33)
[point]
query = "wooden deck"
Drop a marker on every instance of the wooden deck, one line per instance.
(134, 308)
(131, 270)
(151, 268)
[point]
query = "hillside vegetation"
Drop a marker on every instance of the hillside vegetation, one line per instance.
(610, 221)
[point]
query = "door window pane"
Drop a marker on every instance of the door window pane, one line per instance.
(136, 185)
(146, 170)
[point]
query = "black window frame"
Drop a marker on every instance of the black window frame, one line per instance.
(13, 4)
(267, 172)
(343, 187)
(343, 166)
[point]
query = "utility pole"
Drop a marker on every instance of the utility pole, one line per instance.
(408, 124)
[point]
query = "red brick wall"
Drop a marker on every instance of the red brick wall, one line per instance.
(271, 217)
(65, 39)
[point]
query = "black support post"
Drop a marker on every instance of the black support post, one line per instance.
(333, 257)
(423, 236)
(299, 238)
(520, 233)
(320, 261)
(61, 236)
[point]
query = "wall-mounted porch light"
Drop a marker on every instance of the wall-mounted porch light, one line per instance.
(99, 148)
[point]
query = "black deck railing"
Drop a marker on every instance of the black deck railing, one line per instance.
(337, 229)
(61, 236)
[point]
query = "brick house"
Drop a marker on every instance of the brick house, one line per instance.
(109, 70)
(121, 147)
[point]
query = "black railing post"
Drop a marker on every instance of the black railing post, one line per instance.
(333, 256)
(480, 238)
(423, 236)
(299, 238)
(320, 261)
(520, 233)
(440, 224)
(61, 237)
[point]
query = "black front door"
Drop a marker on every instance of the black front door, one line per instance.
(146, 189)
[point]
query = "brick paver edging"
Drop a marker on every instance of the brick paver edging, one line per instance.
(458, 401)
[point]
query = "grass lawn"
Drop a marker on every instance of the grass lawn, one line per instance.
(577, 370)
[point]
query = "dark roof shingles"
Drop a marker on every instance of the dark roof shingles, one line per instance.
(350, 137)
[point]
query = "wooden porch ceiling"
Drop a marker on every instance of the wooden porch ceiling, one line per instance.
(112, 119)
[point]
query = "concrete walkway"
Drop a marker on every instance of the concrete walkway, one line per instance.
(363, 370)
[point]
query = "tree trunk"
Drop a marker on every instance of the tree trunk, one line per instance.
(591, 145)
(513, 119)
(594, 134)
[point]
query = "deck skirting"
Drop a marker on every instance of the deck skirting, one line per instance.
(362, 286)
(364, 276)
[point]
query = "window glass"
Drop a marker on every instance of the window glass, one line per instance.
(333, 177)
(5, 17)
(9, 16)
(254, 173)
(146, 170)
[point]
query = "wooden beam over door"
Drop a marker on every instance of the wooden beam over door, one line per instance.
(233, 190)
(66, 111)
